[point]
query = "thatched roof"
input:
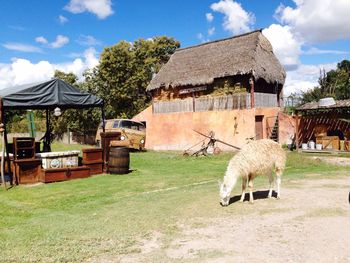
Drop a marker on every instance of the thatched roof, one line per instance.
(339, 104)
(249, 53)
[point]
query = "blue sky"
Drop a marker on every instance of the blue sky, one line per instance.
(37, 37)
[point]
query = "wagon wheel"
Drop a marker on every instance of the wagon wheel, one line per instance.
(217, 150)
(211, 138)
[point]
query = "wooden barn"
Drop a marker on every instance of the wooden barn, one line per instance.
(232, 87)
(325, 126)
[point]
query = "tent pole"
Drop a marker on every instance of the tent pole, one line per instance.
(47, 141)
(3, 181)
(3, 116)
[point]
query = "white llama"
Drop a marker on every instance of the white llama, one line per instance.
(256, 158)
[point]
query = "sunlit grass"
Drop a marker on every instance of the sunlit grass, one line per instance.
(79, 219)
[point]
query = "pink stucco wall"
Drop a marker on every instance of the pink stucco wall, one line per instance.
(286, 127)
(174, 131)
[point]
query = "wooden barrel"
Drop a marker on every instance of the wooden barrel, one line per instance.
(119, 160)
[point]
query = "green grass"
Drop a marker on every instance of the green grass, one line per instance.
(79, 219)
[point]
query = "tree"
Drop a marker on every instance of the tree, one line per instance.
(70, 78)
(124, 72)
(81, 121)
(335, 83)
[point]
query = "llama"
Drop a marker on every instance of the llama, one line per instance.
(256, 158)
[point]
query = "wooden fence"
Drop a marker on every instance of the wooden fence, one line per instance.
(208, 103)
(265, 100)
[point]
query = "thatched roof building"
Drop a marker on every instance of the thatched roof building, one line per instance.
(250, 53)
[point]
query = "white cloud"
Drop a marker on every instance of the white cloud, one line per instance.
(202, 38)
(91, 59)
(285, 46)
(101, 8)
(41, 40)
(317, 21)
(211, 31)
(305, 77)
(236, 19)
(87, 40)
(60, 41)
(209, 17)
(17, 28)
(62, 19)
(316, 51)
(22, 47)
(22, 71)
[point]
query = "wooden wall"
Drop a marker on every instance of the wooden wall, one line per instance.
(331, 120)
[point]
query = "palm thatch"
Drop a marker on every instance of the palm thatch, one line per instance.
(249, 53)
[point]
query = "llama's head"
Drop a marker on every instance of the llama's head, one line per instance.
(225, 192)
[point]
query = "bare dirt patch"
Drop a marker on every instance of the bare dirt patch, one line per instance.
(310, 223)
(343, 161)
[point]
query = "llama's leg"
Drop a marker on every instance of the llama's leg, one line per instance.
(244, 186)
(278, 182)
(250, 186)
(271, 184)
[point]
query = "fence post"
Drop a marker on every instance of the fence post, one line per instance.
(252, 101)
(193, 103)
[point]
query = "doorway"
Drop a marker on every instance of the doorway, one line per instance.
(259, 127)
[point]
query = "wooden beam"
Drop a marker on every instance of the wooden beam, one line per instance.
(297, 129)
(252, 100)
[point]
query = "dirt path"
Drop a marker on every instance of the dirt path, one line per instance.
(311, 223)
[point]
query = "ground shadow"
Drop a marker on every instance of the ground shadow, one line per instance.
(122, 172)
(257, 195)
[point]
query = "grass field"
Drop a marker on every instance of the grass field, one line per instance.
(76, 220)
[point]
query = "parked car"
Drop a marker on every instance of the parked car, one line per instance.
(133, 133)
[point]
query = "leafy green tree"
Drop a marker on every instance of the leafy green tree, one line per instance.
(81, 121)
(70, 78)
(124, 72)
(335, 83)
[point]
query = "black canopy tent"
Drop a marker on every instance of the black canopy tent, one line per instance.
(47, 95)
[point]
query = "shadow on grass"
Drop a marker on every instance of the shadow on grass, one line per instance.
(257, 195)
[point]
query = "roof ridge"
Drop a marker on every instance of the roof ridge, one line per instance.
(219, 40)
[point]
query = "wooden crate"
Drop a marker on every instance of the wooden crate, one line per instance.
(92, 155)
(347, 146)
(27, 171)
(64, 174)
(93, 158)
(53, 175)
(330, 142)
(78, 172)
(95, 168)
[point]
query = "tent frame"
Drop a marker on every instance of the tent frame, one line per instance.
(47, 108)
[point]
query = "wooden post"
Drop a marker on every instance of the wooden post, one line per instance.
(297, 130)
(7, 152)
(5, 143)
(193, 103)
(47, 136)
(279, 95)
(252, 101)
(3, 181)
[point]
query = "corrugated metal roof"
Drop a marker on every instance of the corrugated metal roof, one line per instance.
(315, 105)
